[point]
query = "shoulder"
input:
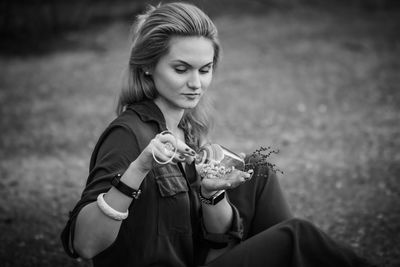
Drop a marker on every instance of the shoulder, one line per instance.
(128, 118)
(142, 131)
(123, 136)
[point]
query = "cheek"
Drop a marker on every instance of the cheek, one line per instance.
(207, 81)
(170, 80)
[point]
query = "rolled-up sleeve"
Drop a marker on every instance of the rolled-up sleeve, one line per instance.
(234, 234)
(115, 150)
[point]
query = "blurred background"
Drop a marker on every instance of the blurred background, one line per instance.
(318, 80)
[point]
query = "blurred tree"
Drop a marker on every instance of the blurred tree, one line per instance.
(37, 18)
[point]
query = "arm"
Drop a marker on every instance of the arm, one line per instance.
(94, 231)
(217, 218)
(92, 238)
(222, 218)
(222, 223)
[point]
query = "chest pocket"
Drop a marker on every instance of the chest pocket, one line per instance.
(173, 201)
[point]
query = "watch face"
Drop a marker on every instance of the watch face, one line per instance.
(214, 199)
(218, 198)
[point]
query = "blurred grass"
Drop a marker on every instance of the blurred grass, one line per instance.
(321, 86)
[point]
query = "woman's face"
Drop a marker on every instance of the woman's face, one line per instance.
(183, 75)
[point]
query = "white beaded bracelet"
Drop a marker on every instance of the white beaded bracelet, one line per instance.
(109, 211)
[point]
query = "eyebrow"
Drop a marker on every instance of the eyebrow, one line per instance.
(185, 63)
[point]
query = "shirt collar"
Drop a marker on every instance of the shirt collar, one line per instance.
(149, 111)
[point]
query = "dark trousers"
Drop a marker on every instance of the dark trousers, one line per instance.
(273, 238)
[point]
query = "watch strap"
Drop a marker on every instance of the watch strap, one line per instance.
(124, 188)
(214, 199)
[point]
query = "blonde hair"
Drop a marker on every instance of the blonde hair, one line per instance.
(152, 32)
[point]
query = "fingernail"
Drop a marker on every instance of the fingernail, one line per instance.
(166, 132)
(191, 152)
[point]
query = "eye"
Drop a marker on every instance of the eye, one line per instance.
(205, 70)
(180, 69)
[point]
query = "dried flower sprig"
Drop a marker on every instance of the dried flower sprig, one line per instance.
(259, 159)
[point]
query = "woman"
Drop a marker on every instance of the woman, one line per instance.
(144, 203)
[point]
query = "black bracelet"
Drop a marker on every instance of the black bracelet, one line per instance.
(123, 188)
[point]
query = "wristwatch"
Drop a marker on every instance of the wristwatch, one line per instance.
(125, 189)
(214, 199)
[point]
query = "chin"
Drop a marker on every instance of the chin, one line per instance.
(186, 103)
(190, 104)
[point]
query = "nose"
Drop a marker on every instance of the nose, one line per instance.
(194, 81)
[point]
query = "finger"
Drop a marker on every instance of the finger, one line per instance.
(167, 140)
(180, 146)
(242, 155)
(185, 149)
(237, 178)
(161, 154)
(186, 157)
(165, 148)
(165, 137)
(215, 184)
(179, 158)
(251, 173)
(245, 175)
(234, 174)
(163, 142)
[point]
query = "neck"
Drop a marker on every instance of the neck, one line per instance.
(172, 115)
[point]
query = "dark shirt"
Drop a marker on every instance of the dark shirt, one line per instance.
(164, 226)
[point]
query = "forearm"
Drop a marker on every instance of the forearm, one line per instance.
(217, 218)
(94, 231)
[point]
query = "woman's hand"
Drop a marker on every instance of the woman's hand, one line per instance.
(162, 148)
(212, 183)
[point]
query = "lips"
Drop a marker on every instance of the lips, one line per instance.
(191, 95)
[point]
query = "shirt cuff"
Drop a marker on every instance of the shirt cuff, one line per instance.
(234, 234)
